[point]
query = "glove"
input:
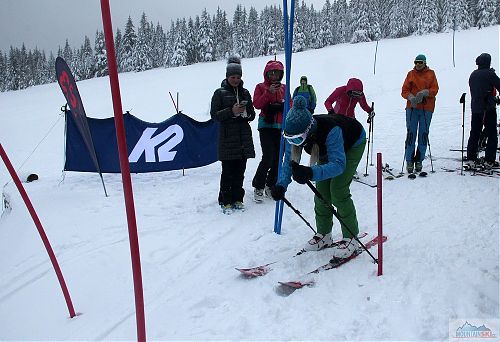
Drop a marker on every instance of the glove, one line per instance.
(413, 100)
(301, 174)
(278, 192)
(421, 94)
(371, 115)
(331, 112)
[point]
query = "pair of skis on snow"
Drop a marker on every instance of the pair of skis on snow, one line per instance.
(306, 280)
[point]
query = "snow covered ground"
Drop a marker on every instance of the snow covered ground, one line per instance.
(441, 259)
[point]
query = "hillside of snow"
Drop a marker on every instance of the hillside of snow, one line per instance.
(441, 260)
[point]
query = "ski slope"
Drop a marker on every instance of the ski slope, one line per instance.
(441, 261)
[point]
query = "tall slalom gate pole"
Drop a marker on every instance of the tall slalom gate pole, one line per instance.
(379, 213)
(41, 231)
(288, 27)
(125, 171)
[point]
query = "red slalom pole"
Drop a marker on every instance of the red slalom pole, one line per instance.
(125, 171)
(379, 212)
(41, 231)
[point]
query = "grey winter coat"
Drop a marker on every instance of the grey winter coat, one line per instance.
(235, 133)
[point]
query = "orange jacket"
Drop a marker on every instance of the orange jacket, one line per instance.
(418, 80)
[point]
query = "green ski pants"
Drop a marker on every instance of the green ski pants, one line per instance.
(336, 191)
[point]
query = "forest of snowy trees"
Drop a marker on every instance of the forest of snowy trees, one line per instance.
(210, 37)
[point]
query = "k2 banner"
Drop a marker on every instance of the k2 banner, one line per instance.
(177, 143)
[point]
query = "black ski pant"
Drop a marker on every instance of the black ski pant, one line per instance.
(489, 120)
(231, 181)
(267, 171)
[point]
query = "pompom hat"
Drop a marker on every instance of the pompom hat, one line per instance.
(233, 66)
(298, 118)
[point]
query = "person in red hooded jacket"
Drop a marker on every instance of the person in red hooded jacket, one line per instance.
(269, 97)
(346, 98)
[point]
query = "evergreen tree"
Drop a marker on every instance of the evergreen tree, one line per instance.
(179, 52)
(49, 68)
(86, 60)
(23, 68)
(267, 33)
(67, 53)
(486, 12)
(425, 17)
(239, 33)
(158, 46)
(399, 18)
(253, 33)
(326, 34)
(118, 49)
(341, 21)
(222, 36)
(169, 46)
(312, 31)
(374, 29)
(13, 69)
(3, 71)
(455, 15)
(382, 10)
(360, 24)
(192, 41)
(128, 45)
(300, 42)
(101, 61)
(472, 6)
(142, 52)
(206, 44)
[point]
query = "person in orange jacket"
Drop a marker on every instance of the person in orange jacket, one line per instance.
(419, 89)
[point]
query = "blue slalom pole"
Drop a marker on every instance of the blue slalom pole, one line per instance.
(288, 27)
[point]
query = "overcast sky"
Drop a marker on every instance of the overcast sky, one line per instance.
(47, 23)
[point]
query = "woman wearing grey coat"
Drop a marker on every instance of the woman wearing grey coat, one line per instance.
(232, 107)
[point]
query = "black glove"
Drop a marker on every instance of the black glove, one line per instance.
(371, 115)
(270, 111)
(278, 192)
(301, 174)
(331, 112)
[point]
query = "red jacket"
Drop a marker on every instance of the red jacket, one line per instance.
(344, 104)
(263, 97)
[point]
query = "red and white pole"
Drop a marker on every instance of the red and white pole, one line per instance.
(379, 212)
(125, 171)
(41, 231)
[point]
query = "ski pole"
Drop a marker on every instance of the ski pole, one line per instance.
(429, 143)
(329, 206)
(368, 152)
(406, 142)
(287, 202)
(372, 127)
(462, 101)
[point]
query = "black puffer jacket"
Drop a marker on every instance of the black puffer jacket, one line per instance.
(481, 83)
(235, 133)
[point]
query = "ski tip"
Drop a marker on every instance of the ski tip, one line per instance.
(253, 272)
(296, 284)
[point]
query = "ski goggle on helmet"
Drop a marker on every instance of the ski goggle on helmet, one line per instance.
(298, 139)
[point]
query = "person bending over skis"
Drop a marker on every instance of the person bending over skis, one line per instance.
(336, 144)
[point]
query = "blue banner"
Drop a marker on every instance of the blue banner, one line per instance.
(177, 143)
